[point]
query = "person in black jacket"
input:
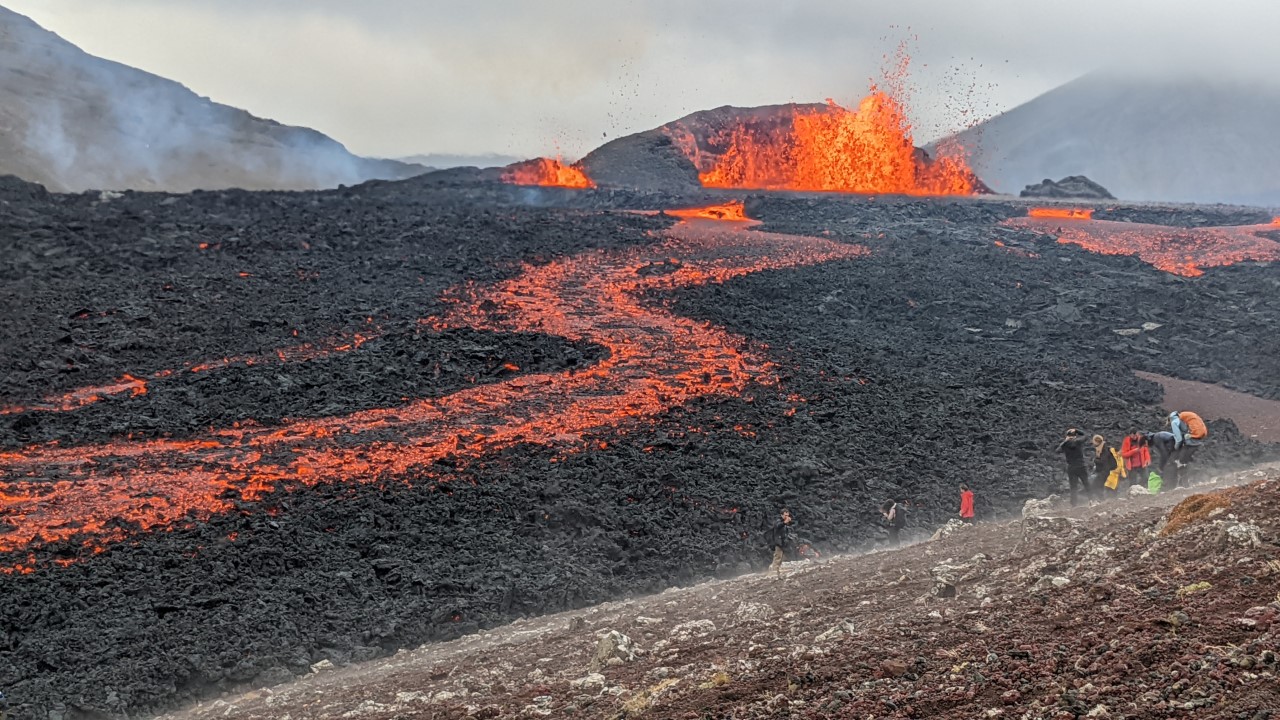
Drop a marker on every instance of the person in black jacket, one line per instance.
(895, 515)
(1072, 448)
(782, 540)
(1104, 463)
(1165, 447)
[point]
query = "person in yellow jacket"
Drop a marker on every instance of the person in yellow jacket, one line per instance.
(1108, 465)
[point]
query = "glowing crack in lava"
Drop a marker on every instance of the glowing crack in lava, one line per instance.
(729, 212)
(85, 497)
(548, 172)
(1181, 251)
(1061, 213)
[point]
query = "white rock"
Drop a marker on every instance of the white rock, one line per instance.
(1128, 332)
(950, 528)
(692, 629)
(1149, 326)
(1042, 506)
(1135, 490)
(836, 632)
(591, 681)
(322, 666)
(612, 645)
(753, 612)
(1241, 533)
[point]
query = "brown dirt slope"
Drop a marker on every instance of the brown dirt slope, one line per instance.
(1092, 612)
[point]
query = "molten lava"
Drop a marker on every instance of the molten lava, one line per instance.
(548, 172)
(93, 495)
(1061, 213)
(1181, 251)
(867, 150)
(730, 212)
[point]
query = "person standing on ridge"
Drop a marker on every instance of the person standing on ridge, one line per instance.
(966, 503)
(1072, 448)
(1137, 457)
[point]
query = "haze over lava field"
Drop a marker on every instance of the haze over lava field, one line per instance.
(246, 432)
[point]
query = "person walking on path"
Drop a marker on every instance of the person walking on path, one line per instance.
(896, 517)
(782, 540)
(966, 503)
(1072, 448)
(1137, 457)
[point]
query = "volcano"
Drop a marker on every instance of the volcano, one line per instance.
(1142, 135)
(75, 122)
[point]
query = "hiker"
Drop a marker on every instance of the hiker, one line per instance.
(1189, 432)
(1166, 449)
(1137, 457)
(1072, 448)
(895, 514)
(1108, 466)
(966, 504)
(781, 539)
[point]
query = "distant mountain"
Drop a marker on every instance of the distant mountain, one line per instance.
(441, 161)
(72, 121)
(1185, 139)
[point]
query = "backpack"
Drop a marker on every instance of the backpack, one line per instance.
(1154, 482)
(1196, 428)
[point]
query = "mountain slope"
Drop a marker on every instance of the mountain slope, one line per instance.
(72, 121)
(1189, 139)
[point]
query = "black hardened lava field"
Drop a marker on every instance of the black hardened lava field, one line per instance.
(242, 433)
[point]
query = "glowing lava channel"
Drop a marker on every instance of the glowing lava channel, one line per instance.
(96, 494)
(734, 211)
(1180, 251)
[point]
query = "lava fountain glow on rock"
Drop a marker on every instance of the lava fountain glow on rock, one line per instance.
(1181, 251)
(548, 172)
(93, 495)
(867, 150)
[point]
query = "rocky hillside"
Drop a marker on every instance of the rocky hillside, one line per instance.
(1143, 607)
(71, 121)
(1142, 136)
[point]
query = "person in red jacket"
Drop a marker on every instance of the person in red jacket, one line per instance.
(966, 503)
(1137, 457)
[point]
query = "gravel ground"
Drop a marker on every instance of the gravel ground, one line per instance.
(1144, 607)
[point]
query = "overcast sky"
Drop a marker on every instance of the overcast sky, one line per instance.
(528, 77)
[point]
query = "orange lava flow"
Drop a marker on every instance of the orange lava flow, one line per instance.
(96, 494)
(1061, 213)
(80, 397)
(548, 172)
(867, 150)
(1181, 251)
(729, 212)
